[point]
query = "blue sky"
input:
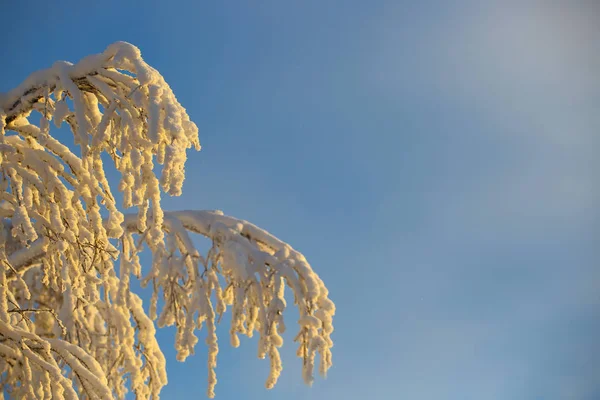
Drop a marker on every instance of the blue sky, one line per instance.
(437, 163)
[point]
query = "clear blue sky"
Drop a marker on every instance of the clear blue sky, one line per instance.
(436, 162)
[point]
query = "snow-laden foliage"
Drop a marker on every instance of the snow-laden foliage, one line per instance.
(70, 326)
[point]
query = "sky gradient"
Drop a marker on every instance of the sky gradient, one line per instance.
(436, 163)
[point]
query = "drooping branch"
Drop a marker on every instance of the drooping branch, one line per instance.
(24, 98)
(251, 260)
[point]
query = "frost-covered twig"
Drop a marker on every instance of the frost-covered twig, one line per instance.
(256, 266)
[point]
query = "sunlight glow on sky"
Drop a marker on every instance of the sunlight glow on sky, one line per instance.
(437, 163)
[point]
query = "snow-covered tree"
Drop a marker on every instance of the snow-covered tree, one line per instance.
(70, 325)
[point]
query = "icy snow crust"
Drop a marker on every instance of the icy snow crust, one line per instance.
(69, 324)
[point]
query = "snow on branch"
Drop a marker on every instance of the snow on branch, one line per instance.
(69, 324)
